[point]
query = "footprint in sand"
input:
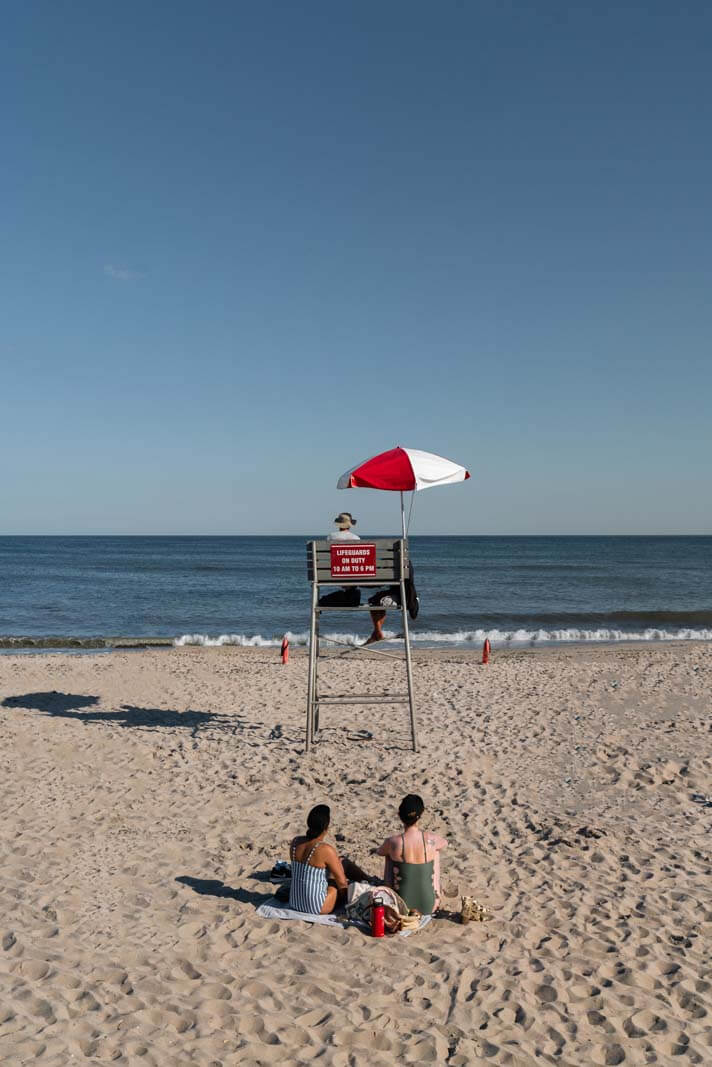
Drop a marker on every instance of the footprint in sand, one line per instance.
(608, 1055)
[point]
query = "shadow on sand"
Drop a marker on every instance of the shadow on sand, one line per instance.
(213, 887)
(77, 706)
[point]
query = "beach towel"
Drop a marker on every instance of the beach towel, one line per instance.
(270, 910)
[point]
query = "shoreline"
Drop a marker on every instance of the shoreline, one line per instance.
(62, 642)
(58, 644)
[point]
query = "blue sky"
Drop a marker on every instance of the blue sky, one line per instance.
(244, 247)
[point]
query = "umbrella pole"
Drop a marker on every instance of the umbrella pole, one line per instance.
(406, 635)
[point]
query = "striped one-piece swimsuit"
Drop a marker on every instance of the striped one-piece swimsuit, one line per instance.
(307, 891)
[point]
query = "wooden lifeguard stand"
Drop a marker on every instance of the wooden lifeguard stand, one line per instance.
(341, 564)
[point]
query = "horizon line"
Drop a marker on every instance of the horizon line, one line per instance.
(312, 536)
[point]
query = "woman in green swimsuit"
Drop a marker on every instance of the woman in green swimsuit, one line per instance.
(413, 859)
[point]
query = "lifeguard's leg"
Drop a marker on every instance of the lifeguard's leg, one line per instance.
(377, 618)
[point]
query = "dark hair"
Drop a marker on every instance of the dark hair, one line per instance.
(410, 810)
(318, 820)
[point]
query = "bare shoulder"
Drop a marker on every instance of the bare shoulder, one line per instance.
(386, 849)
(327, 853)
(436, 840)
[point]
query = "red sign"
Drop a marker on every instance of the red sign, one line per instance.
(353, 561)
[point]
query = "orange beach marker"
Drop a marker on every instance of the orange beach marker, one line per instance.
(285, 650)
(486, 651)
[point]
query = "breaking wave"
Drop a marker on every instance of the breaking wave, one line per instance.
(258, 641)
(497, 638)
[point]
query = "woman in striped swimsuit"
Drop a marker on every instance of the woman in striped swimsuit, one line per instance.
(318, 877)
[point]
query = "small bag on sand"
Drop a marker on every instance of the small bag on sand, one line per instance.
(356, 890)
(394, 908)
(472, 911)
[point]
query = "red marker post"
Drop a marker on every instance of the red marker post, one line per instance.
(486, 651)
(285, 650)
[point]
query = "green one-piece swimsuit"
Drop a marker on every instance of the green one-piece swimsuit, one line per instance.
(414, 881)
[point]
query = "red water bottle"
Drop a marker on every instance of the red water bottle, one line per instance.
(378, 918)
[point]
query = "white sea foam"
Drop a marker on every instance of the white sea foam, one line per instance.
(258, 641)
(497, 638)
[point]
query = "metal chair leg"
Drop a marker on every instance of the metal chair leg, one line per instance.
(408, 668)
(310, 677)
(315, 682)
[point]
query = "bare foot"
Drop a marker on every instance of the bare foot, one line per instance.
(374, 637)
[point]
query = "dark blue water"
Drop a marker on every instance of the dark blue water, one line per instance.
(512, 589)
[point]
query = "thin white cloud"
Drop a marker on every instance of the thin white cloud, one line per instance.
(122, 274)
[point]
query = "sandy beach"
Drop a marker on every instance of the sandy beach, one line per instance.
(146, 796)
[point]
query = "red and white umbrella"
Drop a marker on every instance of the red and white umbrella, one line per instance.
(403, 470)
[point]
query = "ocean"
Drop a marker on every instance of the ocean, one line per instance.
(518, 591)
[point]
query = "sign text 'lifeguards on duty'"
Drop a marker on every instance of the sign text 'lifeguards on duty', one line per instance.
(353, 561)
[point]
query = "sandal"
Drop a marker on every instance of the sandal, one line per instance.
(472, 911)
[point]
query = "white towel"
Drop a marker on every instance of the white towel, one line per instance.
(276, 911)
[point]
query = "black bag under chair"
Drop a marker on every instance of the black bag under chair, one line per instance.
(349, 597)
(390, 598)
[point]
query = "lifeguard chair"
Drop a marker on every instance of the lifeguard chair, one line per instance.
(342, 564)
